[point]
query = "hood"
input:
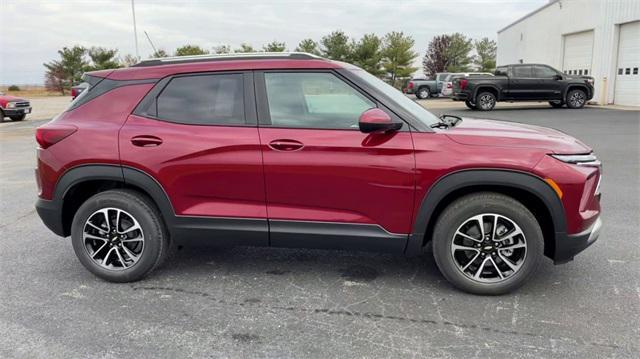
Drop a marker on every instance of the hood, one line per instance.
(8, 98)
(476, 132)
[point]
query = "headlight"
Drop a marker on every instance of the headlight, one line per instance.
(11, 105)
(581, 160)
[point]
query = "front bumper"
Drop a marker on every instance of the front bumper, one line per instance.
(567, 246)
(17, 111)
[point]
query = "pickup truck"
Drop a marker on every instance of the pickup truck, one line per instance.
(524, 82)
(13, 107)
(426, 88)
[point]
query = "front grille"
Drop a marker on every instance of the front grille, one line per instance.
(22, 104)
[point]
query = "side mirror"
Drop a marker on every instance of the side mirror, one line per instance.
(557, 77)
(376, 120)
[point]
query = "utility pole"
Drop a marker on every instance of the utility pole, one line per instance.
(135, 29)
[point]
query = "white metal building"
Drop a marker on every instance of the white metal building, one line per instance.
(599, 38)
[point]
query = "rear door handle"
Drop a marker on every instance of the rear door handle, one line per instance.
(146, 141)
(285, 145)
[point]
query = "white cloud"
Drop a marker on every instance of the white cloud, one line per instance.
(32, 31)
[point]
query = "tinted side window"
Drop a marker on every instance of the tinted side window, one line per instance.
(502, 71)
(522, 71)
(543, 72)
(203, 100)
(313, 100)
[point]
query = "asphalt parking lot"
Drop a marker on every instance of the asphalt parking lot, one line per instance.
(249, 302)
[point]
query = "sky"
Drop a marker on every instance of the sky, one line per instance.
(31, 32)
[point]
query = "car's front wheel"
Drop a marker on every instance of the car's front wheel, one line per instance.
(470, 105)
(18, 117)
(485, 101)
(487, 243)
(423, 93)
(119, 236)
(576, 98)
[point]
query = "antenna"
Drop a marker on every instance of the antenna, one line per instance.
(150, 42)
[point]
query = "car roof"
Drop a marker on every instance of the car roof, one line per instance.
(159, 68)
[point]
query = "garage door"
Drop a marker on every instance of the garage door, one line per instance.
(627, 88)
(578, 53)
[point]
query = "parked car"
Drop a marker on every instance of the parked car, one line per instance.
(15, 108)
(77, 89)
(525, 82)
(293, 150)
(447, 84)
(424, 88)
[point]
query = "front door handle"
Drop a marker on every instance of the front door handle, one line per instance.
(285, 145)
(146, 141)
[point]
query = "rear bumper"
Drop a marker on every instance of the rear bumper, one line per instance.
(51, 214)
(567, 246)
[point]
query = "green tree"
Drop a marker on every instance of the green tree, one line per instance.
(397, 57)
(336, 46)
(309, 46)
(367, 53)
(66, 72)
(222, 49)
(244, 47)
(190, 50)
(459, 53)
(435, 60)
(102, 58)
(486, 54)
(159, 53)
(275, 46)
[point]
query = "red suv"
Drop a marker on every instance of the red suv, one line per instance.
(292, 150)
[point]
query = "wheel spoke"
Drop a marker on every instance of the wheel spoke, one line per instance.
(495, 225)
(130, 229)
(124, 264)
(138, 239)
(130, 254)
(98, 251)
(96, 227)
(468, 236)
(91, 236)
(478, 272)
(495, 265)
(105, 212)
(457, 247)
(106, 256)
(514, 267)
(118, 220)
(514, 246)
(514, 233)
(471, 261)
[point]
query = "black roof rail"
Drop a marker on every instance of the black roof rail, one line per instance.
(227, 57)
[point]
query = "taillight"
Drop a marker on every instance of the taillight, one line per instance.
(449, 85)
(463, 84)
(49, 135)
(410, 85)
(73, 92)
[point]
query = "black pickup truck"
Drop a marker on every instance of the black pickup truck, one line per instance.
(524, 82)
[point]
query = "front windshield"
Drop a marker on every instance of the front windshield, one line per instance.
(419, 112)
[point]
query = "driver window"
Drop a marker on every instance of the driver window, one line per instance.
(543, 72)
(313, 100)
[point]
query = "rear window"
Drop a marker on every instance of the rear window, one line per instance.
(522, 71)
(203, 100)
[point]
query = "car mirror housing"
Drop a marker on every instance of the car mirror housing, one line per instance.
(376, 120)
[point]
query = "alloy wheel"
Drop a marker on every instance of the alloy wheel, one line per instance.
(113, 238)
(424, 93)
(577, 99)
(486, 102)
(489, 248)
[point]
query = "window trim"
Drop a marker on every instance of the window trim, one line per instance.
(262, 101)
(150, 100)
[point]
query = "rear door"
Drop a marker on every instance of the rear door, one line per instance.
(522, 84)
(327, 183)
(197, 136)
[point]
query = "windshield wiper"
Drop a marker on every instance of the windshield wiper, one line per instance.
(447, 121)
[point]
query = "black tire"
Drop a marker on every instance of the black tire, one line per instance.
(576, 99)
(18, 118)
(423, 92)
(470, 105)
(458, 213)
(485, 101)
(155, 245)
(556, 104)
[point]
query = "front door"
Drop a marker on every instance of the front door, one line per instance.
(550, 82)
(198, 138)
(327, 183)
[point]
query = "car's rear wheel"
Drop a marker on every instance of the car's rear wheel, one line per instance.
(470, 105)
(576, 98)
(556, 104)
(423, 92)
(487, 243)
(485, 101)
(119, 236)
